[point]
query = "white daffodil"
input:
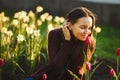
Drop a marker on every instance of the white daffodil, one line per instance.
(31, 14)
(9, 33)
(36, 33)
(39, 9)
(20, 38)
(97, 29)
(50, 27)
(20, 15)
(4, 30)
(39, 22)
(29, 30)
(16, 15)
(44, 16)
(5, 19)
(62, 19)
(26, 19)
(24, 25)
(57, 19)
(2, 14)
(15, 22)
(32, 25)
(49, 18)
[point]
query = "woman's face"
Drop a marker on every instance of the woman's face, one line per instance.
(82, 28)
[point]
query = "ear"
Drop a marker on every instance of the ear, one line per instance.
(69, 25)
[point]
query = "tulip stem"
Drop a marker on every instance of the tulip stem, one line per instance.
(0, 73)
(117, 64)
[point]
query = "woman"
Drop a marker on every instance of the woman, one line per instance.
(67, 47)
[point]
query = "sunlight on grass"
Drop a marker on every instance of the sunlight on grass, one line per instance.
(107, 43)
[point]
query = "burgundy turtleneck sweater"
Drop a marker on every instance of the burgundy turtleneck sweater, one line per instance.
(62, 54)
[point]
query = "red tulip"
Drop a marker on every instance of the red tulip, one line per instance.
(88, 66)
(112, 72)
(1, 62)
(118, 52)
(88, 40)
(44, 77)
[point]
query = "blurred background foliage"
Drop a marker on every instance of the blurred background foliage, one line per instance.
(23, 39)
(107, 42)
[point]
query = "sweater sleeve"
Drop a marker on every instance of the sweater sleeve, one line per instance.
(58, 51)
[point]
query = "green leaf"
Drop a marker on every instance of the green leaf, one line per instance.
(74, 75)
(18, 66)
(95, 69)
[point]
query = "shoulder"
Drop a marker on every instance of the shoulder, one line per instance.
(56, 32)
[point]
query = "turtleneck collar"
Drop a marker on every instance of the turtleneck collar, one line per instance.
(73, 38)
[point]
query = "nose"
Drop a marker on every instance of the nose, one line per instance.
(86, 31)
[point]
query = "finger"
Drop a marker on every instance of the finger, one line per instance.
(65, 23)
(64, 30)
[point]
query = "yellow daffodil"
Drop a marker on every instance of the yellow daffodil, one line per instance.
(39, 22)
(98, 29)
(49, 18)
(39, 9)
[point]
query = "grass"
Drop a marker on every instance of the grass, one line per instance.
(107, 43)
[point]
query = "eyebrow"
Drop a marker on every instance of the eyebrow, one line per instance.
(86, 26)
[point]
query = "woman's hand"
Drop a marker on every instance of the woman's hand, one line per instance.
(66, 31)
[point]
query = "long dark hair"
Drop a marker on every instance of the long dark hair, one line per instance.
(80, 12)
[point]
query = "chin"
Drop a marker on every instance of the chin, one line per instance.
(82, 39)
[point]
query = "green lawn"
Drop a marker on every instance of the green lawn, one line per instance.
(107, 43)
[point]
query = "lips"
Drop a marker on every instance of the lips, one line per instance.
(84, 36)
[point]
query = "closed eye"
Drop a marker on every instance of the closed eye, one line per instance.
(82, 27)
(90, 28)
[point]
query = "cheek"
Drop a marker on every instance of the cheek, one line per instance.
(89, 31)
(82, 30)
